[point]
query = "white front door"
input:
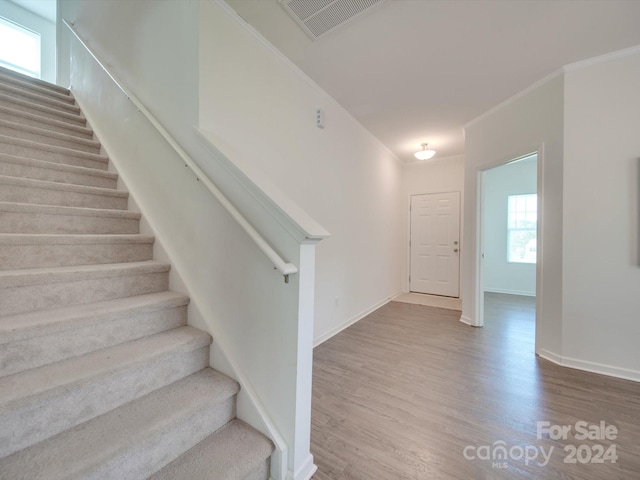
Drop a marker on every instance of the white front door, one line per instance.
(435, 244)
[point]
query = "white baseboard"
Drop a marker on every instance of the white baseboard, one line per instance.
(467, 321)
(593, 367)
(511, 292)
(552, 357)
(337, 329)
(305, 472)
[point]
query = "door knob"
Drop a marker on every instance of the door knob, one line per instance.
(455, 250)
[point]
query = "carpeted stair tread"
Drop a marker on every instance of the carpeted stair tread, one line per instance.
(57, 210)
(22, 326)
(134, 440)
(31, 386)
(63, 96)
(15, 82)
(232, 453)
(41, 402)
(47, 185)
(23, 185)
(37, 289)
(29, 218)
(18, 251)
(41, 151)
(43, 276)
(10, 101)
(12, 165)
(42, 192)
(46, 239)
(32, 119)
(40, 338)
(42, 135)
(37, 97)
(34, 81)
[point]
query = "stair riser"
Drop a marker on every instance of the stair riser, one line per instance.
(20, 222)
(41, 196)
(43, 111)
(54, 255)
(47, 139)
(56, 157)
(136, 439)
(261, 472)
(28, 298)
(38, 173)
(34, 352)
(156, 452)
(33, 81)
(10, 82)
(65, 128)
(44, 100)
(236, 451)
(33, 423)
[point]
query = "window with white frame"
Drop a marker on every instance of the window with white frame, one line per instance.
(19, 48)
(522, 223)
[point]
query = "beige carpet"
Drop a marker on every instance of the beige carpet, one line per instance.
(95, 350)
(430, 300)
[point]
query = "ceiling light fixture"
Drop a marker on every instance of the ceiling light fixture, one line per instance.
(424, 154)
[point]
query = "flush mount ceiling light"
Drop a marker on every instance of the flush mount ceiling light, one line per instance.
(424, 154)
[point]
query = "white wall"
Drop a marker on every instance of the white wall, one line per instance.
(533, 120)
(263, 108)
(438, 175)
(44, 27)
(601, 183)
(500, 275)
(586, 120)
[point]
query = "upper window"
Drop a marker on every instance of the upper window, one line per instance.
(521, 228)
(19, 48)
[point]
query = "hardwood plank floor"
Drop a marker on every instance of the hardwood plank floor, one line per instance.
(407, 391)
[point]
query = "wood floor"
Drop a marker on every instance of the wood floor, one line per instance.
(408, 391)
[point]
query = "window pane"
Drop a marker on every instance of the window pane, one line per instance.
(521, 228)
(19, 48)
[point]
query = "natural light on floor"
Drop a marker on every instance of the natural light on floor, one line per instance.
(19, 49)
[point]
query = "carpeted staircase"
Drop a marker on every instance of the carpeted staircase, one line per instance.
(100, 376)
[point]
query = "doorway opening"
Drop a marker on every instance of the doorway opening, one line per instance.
(508, 238)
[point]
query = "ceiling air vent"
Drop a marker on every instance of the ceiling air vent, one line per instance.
(319, 17)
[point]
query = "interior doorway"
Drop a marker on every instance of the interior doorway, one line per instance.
(509, 238)
(435, 244)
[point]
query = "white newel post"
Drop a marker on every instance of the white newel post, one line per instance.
(301, 460)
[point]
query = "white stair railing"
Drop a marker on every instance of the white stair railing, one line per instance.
(281, 265)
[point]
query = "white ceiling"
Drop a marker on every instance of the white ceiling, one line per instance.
(44, 8)
(414, 71)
